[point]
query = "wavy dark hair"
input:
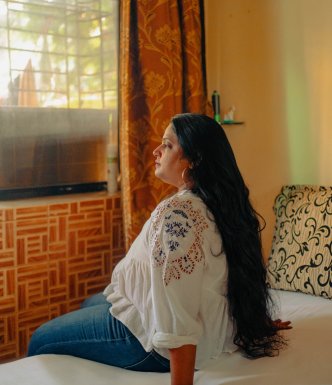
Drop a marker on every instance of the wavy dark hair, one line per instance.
(218, 182)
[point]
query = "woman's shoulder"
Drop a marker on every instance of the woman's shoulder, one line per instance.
(180, 207)
(184, 200)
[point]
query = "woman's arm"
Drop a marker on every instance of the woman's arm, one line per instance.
(183, 365)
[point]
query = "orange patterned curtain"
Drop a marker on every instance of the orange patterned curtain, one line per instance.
(162, 71)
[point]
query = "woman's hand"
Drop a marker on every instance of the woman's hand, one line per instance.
(282, 325)
(182, 361)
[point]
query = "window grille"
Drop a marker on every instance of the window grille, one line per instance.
(67, 48)
(59, 54)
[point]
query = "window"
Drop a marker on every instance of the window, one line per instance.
(59, 67)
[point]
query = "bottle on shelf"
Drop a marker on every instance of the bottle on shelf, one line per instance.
(216, 106)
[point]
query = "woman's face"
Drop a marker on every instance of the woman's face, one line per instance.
(170, 161)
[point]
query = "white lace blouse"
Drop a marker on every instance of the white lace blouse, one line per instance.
(170, 289)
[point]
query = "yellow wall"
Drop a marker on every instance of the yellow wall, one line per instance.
(272, 59)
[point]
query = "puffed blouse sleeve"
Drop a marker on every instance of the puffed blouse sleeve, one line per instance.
(177, 266)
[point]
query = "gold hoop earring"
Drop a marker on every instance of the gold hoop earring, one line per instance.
(184, 176)
(187, 180)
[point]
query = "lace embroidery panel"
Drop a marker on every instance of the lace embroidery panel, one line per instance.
(182, 224)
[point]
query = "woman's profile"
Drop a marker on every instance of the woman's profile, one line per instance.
(193, 284)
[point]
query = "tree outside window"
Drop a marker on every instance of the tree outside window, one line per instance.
(59, 53)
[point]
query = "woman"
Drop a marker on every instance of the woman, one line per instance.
(193, 283)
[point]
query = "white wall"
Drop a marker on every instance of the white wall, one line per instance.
(272, 59)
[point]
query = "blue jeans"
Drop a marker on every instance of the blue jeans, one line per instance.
(94, 334)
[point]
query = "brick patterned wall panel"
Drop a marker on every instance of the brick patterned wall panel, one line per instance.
(8, 336)
(58, 286)
(58, 259)
(28, 321)
(53, 256)
(61, 209)
(32, 240)
(33, 286)
(31, 212)
(8, 304)
(6, 215)
(92, 206)
(7, 259)
(8, 328)
(117, 236)
(88, 241)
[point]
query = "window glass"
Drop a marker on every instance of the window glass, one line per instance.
(58, 92)
(64, 45)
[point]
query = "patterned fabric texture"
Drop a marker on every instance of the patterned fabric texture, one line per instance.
(176, 224)
(301, 257)
(162, 65)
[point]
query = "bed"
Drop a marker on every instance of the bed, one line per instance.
(300, 280)
(306, 360)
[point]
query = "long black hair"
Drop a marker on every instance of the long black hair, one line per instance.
(218, 182)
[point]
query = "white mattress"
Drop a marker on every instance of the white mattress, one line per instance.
(306, 361)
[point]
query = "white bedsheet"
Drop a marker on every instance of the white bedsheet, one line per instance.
(306, 361)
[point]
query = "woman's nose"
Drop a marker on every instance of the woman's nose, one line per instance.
(156, 151)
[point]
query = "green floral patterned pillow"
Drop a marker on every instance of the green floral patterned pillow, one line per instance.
(301, 257)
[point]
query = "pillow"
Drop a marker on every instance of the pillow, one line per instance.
(301, 256)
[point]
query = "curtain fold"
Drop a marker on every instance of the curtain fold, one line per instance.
(162, 72)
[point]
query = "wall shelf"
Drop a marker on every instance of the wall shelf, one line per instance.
(230, 122)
